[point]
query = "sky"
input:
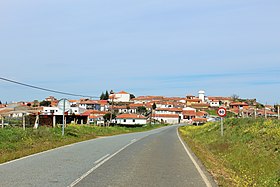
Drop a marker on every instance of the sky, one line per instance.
(147, 47)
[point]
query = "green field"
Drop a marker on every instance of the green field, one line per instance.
(247, 155)
(16, 142)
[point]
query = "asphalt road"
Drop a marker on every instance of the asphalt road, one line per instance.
(154, 158)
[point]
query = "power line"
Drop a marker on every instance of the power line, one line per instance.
(45, 89)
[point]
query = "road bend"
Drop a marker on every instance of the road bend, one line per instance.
(154, 158)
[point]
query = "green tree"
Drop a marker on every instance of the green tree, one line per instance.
(36, 103)
(235, 97)
(107, 117)
(45, 103)
(132, 96)
(141, 110)
(102, 96)
(276, 107)
(154, 106)
(106, 97)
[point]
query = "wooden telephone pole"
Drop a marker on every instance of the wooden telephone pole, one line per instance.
(278, 107)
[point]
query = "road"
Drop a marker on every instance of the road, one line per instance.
(153, 158)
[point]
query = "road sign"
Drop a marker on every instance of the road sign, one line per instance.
(222, 112)
(64, 104)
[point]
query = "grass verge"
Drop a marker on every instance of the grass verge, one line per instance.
(16, 142)
(247, 155)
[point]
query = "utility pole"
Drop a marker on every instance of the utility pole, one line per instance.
(2, 121)
(63, 117)
(23, 121)
(265, 115)
(255, 112)
(112, 109)
(278, 107)
(54, 121)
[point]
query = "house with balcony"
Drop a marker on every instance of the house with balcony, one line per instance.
(89, 104)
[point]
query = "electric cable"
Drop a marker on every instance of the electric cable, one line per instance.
(45, 89)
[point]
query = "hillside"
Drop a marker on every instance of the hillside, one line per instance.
(247, 155)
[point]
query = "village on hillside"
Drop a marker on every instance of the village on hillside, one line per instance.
(123, 108)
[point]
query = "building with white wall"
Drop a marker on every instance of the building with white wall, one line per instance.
(167, 118)
(131, 119)
(56, 111)
(201, 95)
(119, 97)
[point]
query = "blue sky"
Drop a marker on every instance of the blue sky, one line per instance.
(147, 47)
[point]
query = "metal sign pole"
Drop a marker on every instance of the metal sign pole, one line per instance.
(222, 112)
(63, 116)
(222, 127)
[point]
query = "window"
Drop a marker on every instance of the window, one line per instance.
(133, 120)
(124, 120)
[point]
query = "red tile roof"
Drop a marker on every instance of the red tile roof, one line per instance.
(238, 104)
(199, 119)
(130, 116)
(149, 98)
(200, 105)
(166, 115)
(122, 92)
(5, 111)
(170, 109)
(136, 105)
(220, 98)
(2, 106)
(89, 112)
(189, 112)
(89, 102)
(193, 100)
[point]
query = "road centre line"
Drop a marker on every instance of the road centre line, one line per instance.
(206, 181)
(102, 158)
(100, 164)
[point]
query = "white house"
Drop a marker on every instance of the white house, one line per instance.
(89, 104)
(131, 119)
(201, 95)
(120, 97)
(125, 109)
(167, 118)
(96, 119)
(57, 111)
(214, 103)
(168, 111)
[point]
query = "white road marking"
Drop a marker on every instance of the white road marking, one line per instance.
(102, 158)
(98, 165)
(208, 184)
(133, 140)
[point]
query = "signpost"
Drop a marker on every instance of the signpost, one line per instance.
(63, 105)
(222, 112)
